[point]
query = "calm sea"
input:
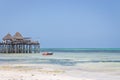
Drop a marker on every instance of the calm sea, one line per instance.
(107, 59)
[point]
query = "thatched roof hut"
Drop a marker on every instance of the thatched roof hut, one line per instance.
(18, 36)
(8, 37)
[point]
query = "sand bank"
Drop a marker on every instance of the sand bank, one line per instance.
(35, 72)
(49, 72)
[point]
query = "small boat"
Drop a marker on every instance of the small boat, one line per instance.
(47, 53)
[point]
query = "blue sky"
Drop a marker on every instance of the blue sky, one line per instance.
(63, 23)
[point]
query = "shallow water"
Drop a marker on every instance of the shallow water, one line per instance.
(84, 61)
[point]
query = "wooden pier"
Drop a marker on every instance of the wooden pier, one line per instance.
(18, 44)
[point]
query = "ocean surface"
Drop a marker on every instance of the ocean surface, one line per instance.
(85, 59)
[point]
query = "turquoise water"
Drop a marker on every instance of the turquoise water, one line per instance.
(95, 60)
(116, 50)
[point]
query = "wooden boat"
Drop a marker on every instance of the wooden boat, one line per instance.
(47, 53)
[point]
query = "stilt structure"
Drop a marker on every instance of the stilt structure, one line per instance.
(18, 44)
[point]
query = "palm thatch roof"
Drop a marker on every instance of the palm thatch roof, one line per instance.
(8, 37)
(18, 36)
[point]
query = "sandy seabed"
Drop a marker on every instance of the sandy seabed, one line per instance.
(43, 72)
